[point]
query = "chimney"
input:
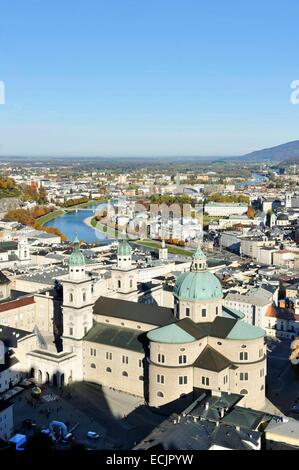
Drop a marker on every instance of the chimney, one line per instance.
(207, 405)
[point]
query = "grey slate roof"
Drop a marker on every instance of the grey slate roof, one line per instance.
(116, 336)
(212, 360)
(10, 336)
(143, 313)
(3, 279)
(244, 417)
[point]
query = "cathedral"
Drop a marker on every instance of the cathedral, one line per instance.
(159, 353)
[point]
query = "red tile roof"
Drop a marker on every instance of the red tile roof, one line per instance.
(281, 313)
(16, 303)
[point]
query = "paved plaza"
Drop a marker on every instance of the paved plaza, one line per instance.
(118, 418)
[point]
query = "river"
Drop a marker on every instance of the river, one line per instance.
(73, 222)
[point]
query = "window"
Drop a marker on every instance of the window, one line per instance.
(160, 379)
(183, 359)
(85, 330)
(243, 392)
(216, 310)
(141, 378)
(187, 312)
(203, 312)
(109, 356)
(225, 379)
(118, 284)
(93, 366)
(219, 343)
(84, 296)
(125, 374)
(131, 283)
(262, 373)
(93, 352)
(260, 352)
(71, 331)
(205, 381)
(71, 297)
(243, 375)
(140, 363)
(183, 380)
(160, 394)
(161, 358)
(125, 360)
(243, 356)
(108, 369)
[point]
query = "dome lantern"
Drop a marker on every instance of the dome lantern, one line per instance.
(199, 262)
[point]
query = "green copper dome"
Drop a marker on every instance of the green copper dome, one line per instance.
(124, 249)
(198, 285)
(76, 258)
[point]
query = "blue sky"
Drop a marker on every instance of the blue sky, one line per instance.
(147, 77)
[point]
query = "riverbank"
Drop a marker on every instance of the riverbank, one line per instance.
(92, 222)
(52, 215)
(64, 210)
(109, 231)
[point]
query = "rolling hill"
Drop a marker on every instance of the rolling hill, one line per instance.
(286, 153)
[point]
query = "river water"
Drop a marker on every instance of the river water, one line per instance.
(72, 223)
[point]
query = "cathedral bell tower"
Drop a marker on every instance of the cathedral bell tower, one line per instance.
(77, 304)
(124, 274)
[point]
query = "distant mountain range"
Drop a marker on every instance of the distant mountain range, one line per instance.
(285, 153)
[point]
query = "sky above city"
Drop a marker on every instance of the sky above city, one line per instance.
(147, 77)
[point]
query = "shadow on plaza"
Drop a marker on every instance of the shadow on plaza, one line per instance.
(282, 381)
(94, 408)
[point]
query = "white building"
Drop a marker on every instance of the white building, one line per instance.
(218, 209)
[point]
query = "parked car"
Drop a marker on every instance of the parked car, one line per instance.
(28, 423)
(93, 435)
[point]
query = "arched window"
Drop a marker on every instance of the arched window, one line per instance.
(183, 359)
(243, 391)
(93, 366)
(243, 356)
(160, 394)
(161, 358)
(108, 369)
(71, 297)
(125, 374)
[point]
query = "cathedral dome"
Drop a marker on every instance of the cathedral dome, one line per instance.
(199, 283)
(124, 249)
